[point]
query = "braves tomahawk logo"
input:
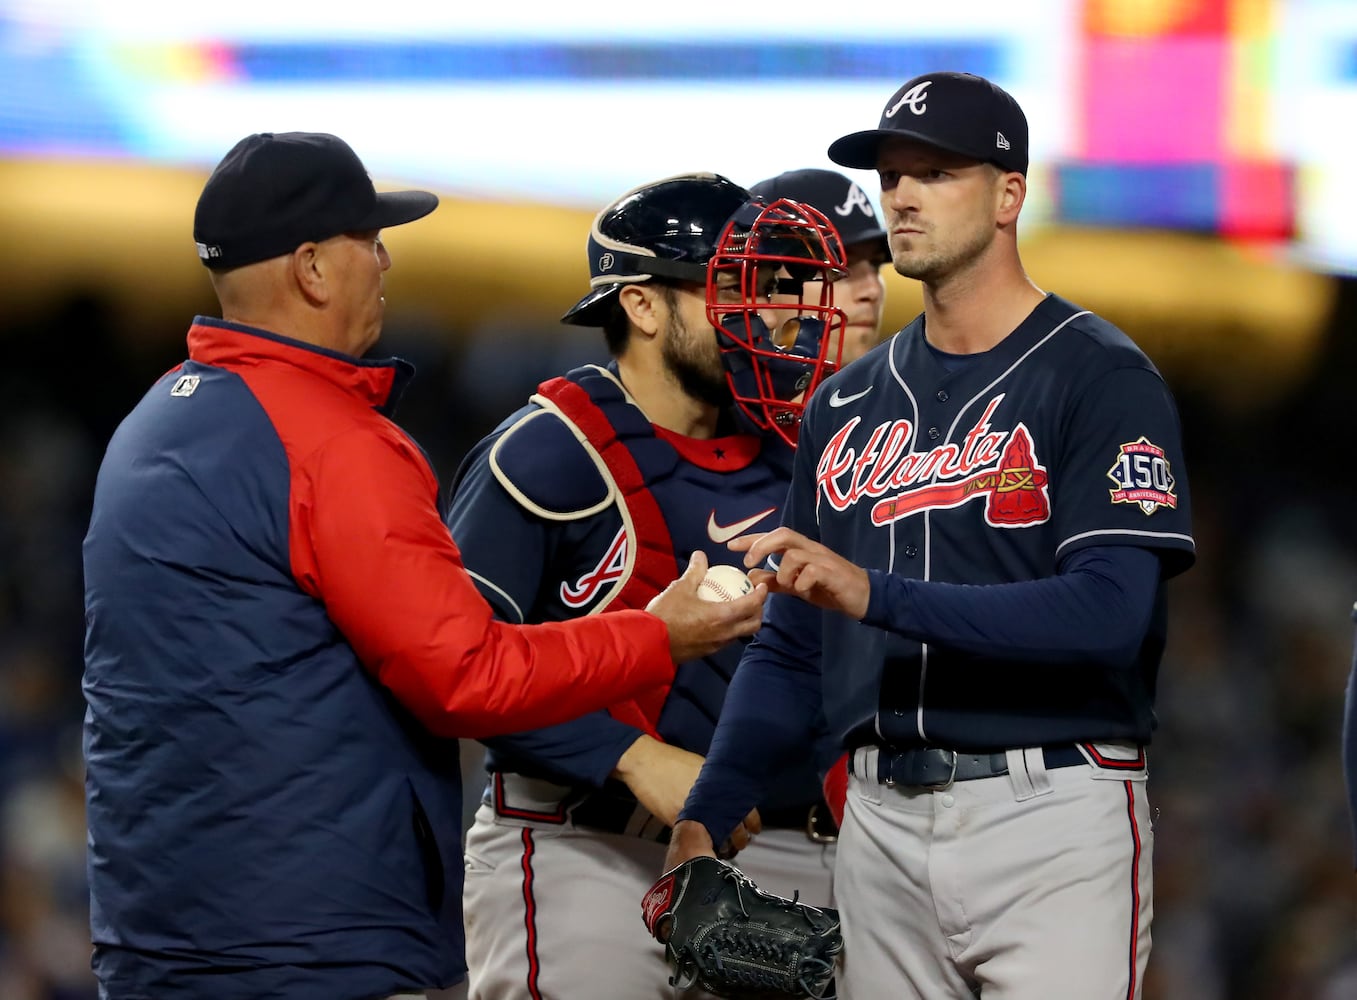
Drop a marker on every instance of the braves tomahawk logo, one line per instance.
(1142, 475)
(611, 568)
(999, 467)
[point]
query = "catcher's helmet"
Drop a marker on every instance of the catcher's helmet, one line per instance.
(665, 229)
(675, 228)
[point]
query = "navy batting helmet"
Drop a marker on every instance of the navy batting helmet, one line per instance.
(665, 229)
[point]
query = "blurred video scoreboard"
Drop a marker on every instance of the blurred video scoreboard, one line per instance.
(1226, 117)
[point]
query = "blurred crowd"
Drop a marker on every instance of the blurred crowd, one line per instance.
(1254, 860)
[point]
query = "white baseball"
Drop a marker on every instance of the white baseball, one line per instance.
(724, 583)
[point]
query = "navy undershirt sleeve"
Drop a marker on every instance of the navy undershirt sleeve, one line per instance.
(771, 713)
(1097, 606)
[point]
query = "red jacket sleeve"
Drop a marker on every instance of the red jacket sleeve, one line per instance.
(367, 540)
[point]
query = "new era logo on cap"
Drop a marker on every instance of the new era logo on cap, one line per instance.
(959, 112)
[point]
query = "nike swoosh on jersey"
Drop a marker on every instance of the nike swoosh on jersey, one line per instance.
(722, 533)
(837, 400)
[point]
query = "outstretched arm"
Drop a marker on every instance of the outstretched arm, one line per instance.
(770, 713)
(1098, 604)
(367, 540)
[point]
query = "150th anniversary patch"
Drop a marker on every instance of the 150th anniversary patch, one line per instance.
(1142, 476)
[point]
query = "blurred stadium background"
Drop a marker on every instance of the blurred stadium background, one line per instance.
(1191, 181)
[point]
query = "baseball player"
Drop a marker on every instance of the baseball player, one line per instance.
(582, 501)
(861, 294)
(986, 511)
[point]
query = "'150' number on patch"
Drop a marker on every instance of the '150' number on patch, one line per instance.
(1142, 476)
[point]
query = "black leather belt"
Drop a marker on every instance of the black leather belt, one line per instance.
(607, 811)
(813, 820)
(611, 814)
(934, 767)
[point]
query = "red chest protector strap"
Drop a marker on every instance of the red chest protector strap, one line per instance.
(654, 565)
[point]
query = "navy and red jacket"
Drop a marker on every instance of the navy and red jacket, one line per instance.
(279, 627)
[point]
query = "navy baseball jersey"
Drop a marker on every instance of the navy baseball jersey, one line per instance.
(566, 507)
(991, 469)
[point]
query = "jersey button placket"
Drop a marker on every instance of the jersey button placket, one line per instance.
(942, 396)
(934, 433)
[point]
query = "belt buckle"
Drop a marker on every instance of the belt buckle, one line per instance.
(951, 777)
(813, 831)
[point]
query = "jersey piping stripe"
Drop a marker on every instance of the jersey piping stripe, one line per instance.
(1133, 951)
(1004, 374)
(530, 916)
(923, 648)
(1128, 531)
(513, 605)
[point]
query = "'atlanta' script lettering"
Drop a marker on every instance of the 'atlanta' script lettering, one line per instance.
(845, 476)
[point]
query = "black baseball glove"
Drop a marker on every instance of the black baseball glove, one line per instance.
(725, 934)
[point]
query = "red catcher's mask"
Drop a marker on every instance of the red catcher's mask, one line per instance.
(770, 296)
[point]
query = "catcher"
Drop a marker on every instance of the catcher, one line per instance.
(724, 934)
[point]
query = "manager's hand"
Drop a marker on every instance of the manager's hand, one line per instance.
(698, 628)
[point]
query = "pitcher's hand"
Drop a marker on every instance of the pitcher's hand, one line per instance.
(690, 840)
(806, 569)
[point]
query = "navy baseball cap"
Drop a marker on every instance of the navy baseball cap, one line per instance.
(275, 191)
(840, 198)
(958, 112)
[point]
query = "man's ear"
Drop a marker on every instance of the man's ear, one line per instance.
(1009, 198)
(310, 273)
(641, 304)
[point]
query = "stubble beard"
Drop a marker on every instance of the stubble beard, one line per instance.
(936, 264)
(702, 378)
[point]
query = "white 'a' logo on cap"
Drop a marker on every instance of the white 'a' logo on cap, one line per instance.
(914, 97)
(856, 199)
